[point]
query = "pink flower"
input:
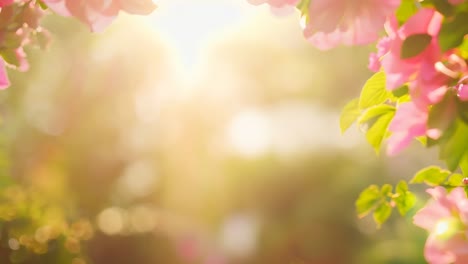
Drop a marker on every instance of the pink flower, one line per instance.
(188, 247)
(399, 71)
(462, 92)
(446, 218)
(5, 2)
(278, 7)
(334, 22)
(98, 14)
(4, 81)
(433, 81)
(429, 86)
(409, 122)
(383, 46)
(462, 89)
(275, 3)
(23, 62)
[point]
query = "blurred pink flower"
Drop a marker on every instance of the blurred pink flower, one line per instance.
(429, 86)
(334, 22)
(433, 81)
(188, 248)
(275, 3)
(6, 2)
(446, 218)
(4, 81)
(21, 57)
(98, 14)
(409, 122)
(278, 7)
(399, 71)
(383, 46)
(462, 89)
(462, 92)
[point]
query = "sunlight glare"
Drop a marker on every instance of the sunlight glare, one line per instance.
(250, 133)
(286, 130)
(446, 228)
(197, 22)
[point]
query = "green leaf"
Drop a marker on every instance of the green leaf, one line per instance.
(11, 40)
(10, 57)
(462, 110)
(374, 92)
(386, 190)
(402, 187)
(464, 48)
(405, 200)
(432, 176)
(368, 200)
(422, 140)
(303, 7)
(455, 180)
(414, 45)
(405, 98)
(464, 164)
(444, 7)
(453, 31)
(378, 131)
(382, 213)
(42, 5)
(372, 114)
(443, 114)
(349, 114)
(406, 10)
(400, 92)
(455, 148)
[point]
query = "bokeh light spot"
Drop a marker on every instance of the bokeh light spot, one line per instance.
(111, 221)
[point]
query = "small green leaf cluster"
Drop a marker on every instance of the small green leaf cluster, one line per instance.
(373, 110)
(381, 201)
(436, 176)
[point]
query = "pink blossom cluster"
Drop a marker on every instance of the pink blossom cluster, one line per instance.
(446, 219)
(19, 26)
(275, 3)
(98, 14)
(329, 23)
(278, 7)
(428, 75)
(333, 22)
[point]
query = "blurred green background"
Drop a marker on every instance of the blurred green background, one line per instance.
(207, 133)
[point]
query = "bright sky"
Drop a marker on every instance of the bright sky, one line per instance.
(190, 24)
